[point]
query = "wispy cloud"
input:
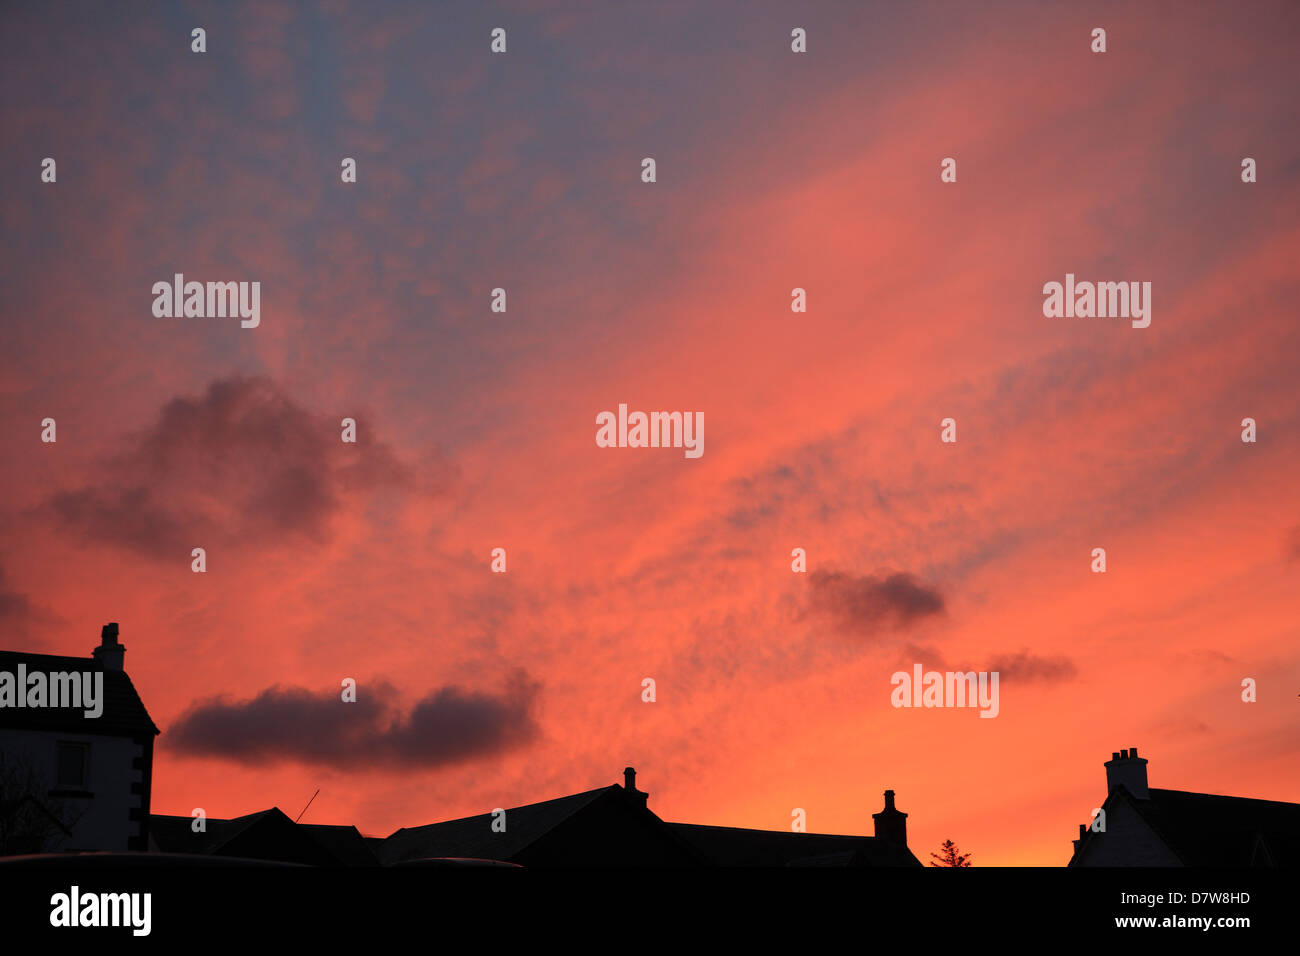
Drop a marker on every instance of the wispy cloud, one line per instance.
(867, 605)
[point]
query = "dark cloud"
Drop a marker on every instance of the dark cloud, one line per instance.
(15, 607)
(871, 603)
(242, 463)
(19, 616)
(447, 726)
(1026, 667)
(127, 517)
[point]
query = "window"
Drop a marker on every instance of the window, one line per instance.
(72, 762)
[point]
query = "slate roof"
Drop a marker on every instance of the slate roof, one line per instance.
(1207, 829)
(176, 834)
(267, 834)
(474, 837)
(737, 846)
(124, 712)
(345, 843)
(719, 846)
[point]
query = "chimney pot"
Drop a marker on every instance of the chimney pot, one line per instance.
(1126, 768)
(629, 787)
(109, 653)
(891, 825)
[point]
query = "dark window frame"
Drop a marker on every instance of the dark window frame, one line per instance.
(81, 785)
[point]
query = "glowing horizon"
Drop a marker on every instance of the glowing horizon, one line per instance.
(478, 430)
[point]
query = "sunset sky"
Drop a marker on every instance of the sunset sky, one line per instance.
(775, 170)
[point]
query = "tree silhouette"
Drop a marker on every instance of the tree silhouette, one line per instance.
(28, 823)
(950, 856)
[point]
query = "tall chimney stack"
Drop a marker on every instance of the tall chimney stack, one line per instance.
(109, 653)
(629, 785)
(891, 825)
(1130, 770)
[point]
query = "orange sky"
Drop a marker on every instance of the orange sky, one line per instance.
(775, 170)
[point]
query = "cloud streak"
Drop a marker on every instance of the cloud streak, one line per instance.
(1028, 667)
(19, 615)
(870, 604)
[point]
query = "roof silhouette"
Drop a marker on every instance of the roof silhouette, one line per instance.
(738, 846)
(474, 836)
(265, 835)
(345, 843)
(1208, 829)
(124, 712)
(176, 834)
(614, 826)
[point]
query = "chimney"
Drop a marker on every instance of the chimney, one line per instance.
(1127, 768)
(1083, 830)
(109, 653)
(629, 785)
(890, 824)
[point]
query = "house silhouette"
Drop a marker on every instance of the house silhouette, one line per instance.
(89, 778)
(613, 826)
(609, 826)
(1151, 827)
(87, 783)
(265, 835)
(737, 846)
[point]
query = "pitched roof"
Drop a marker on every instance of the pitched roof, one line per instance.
(474, 836)
(176, 834)
(344, 843)
(1207, 829)
(737, 846)
(265, 835)
(124, 713)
